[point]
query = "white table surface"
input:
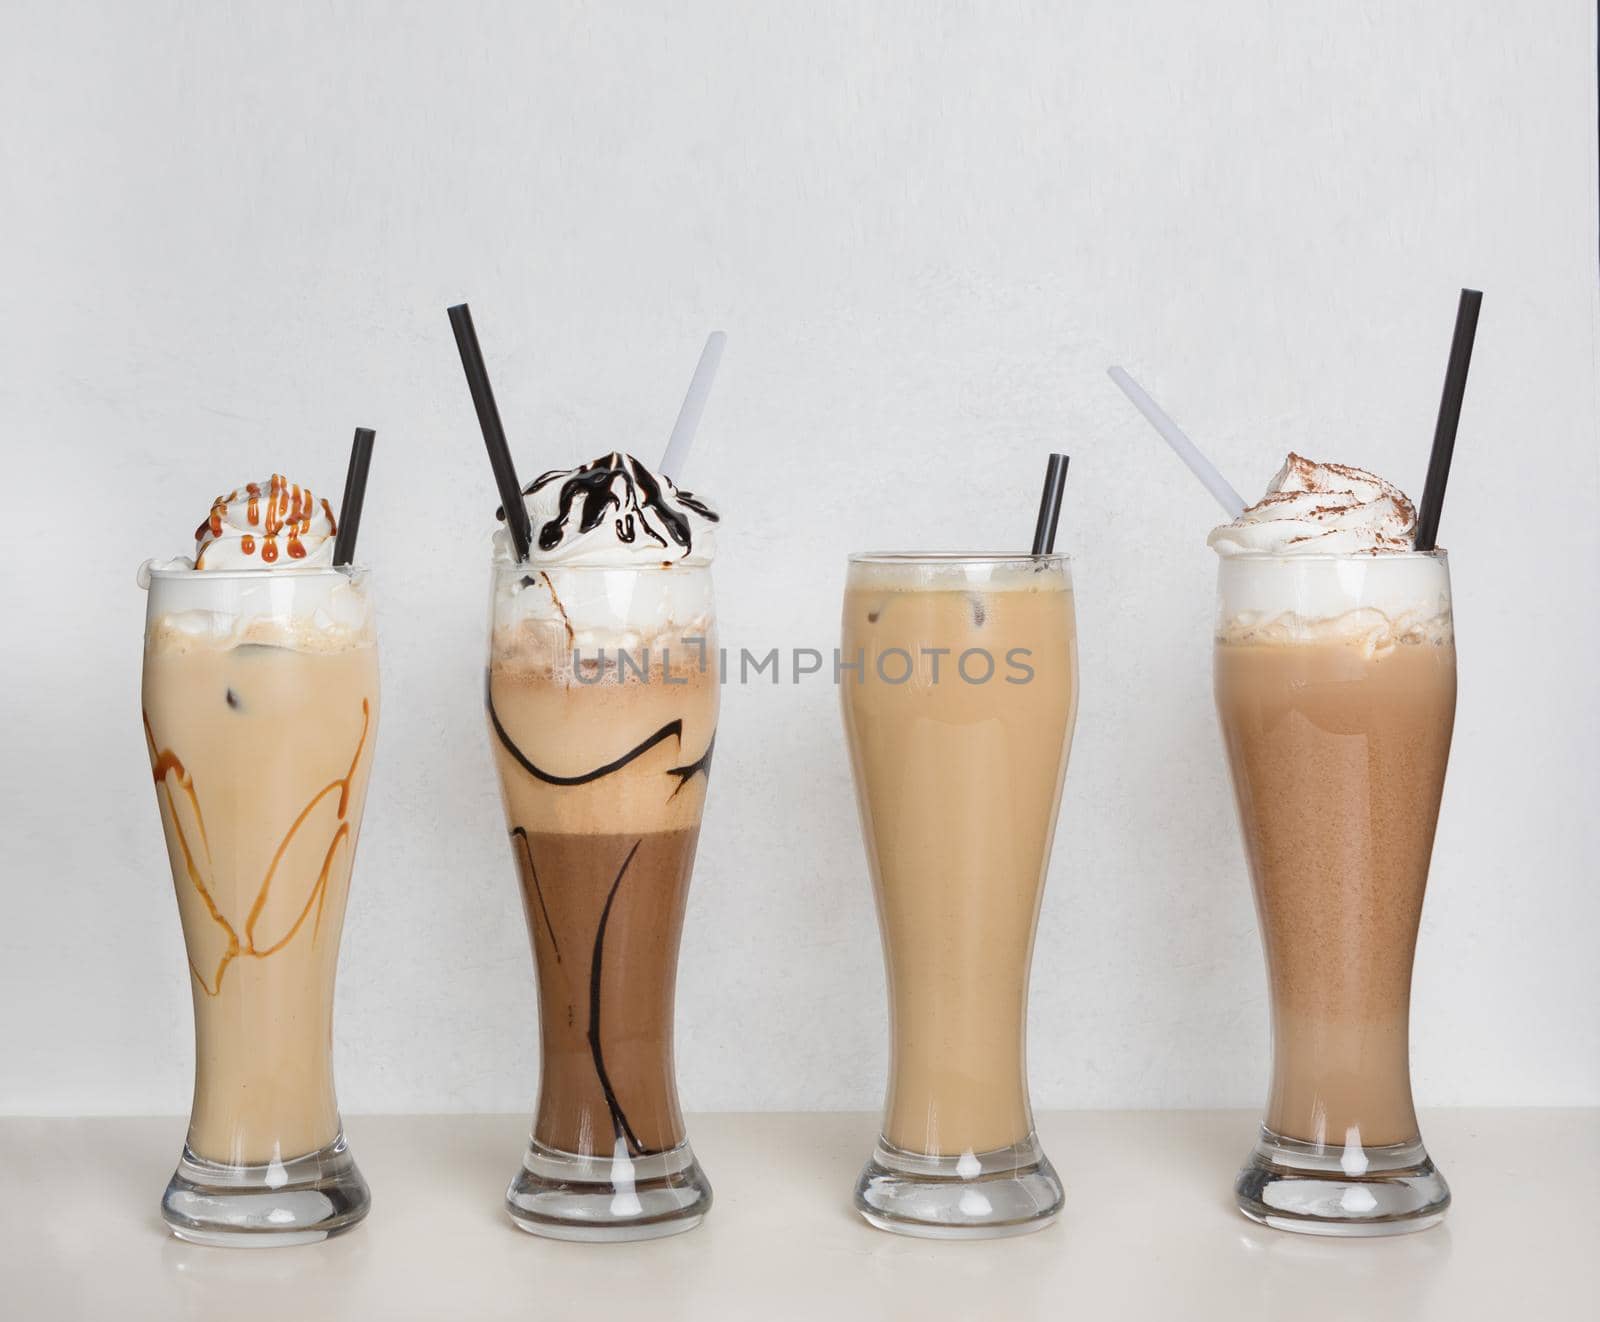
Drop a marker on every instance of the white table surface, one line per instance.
(1149, 1231)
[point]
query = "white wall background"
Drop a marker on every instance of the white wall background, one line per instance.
(229, 235)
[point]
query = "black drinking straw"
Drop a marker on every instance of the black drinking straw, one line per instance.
(494, 435)
(1444, 431)
(355, 492)
(1055, 481)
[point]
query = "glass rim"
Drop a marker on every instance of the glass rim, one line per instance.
(295, 572)
(499, 566)
(1332, 557)
(957, 558)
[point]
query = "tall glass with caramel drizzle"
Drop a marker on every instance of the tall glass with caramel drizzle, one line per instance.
(260, 711)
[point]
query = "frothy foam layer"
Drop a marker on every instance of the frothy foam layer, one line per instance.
(613, 512)
(588, 609)
(1321, 509)
(1374, 602)
(913, 573)
(1370, 630)
(603, 747)
(310, 611)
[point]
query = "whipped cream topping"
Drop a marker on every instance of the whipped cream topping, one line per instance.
(613, 512)
(1321, 509)
(276, 524)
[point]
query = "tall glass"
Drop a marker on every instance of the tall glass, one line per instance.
(958, 680)
(1336, 688)
(602, 704)
(260, 710)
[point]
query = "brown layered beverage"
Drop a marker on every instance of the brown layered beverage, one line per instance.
(1335, 678)
(959, 705)
(260, 715)
(603, 776)
(602, 704)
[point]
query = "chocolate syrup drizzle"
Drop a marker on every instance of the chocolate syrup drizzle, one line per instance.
(616, 486)
(619, 1121)
(700, 766)
(671, 730)
(519, 833)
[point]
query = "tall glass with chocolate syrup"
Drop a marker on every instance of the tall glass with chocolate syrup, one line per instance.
(602, 704)
(260, 706)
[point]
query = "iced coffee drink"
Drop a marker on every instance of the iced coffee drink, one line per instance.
(260, 705)
(1335, 681)
(958, 682)
(602, 707)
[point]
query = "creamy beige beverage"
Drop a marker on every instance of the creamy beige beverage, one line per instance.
(260, 708)
(959, 722)
(261, 753)
(1335, 674)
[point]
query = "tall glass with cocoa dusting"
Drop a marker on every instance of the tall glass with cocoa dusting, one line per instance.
(1335, 677)
(602, 704)
(959, 707)
(260, 702)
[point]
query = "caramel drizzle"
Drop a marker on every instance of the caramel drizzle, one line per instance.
(289, 511)
(164, 762)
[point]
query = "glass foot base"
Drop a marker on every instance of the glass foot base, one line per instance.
(984, 1195)
(1318, 1189)
(299, 1201)
(562, 1195)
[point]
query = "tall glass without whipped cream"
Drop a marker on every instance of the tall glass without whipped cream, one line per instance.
(602, 703)
(1335, 676)
(260, 700)
(959, 716)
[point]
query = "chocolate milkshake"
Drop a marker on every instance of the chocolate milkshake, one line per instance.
(959, 719)
(602, 703)
(1335, 686)
(260, 705)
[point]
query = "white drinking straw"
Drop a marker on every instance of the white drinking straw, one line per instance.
(1186, 449)
(676, 458)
